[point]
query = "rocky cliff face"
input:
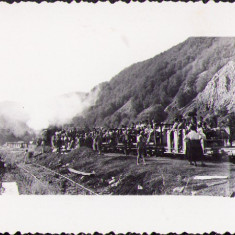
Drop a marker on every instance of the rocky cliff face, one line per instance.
(219, 94)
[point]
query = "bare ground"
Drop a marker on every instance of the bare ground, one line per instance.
(117, 174)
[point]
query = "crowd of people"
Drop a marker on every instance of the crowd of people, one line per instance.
(139, 134)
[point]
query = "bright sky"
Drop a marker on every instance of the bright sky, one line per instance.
(52, 49)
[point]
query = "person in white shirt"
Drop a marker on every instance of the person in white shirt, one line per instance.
(194, 150)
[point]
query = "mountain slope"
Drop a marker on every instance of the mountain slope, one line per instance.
(218, 97)
(169, 81)
(221, 88)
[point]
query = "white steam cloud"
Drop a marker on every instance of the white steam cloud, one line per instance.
(13, 118)
(58, 110)
(21, 118)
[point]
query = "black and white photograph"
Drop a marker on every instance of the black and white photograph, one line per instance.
(117, 102)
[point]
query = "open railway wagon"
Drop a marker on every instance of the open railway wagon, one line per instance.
(110, 141)
(215, 146)
(218, 144)
(128, 145)
(163, 141)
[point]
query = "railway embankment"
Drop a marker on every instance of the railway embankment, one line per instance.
(15, 170)
(83, 172)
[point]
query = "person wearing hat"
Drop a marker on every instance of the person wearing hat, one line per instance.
(141, 148)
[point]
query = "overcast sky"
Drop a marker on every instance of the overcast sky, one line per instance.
(51, 49)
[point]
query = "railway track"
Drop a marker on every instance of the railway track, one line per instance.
(46, 176)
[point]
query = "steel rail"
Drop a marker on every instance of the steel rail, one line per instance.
(30, 174)
(79, 185)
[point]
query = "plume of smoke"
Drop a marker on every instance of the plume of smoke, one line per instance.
(13, 118)
(59, 110)
(33, 116)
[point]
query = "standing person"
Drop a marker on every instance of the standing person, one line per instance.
(2, 168)
(94, 141)
(53, 142)
(174, 127)
(194, 151)
(230, 130)
(58, 142)
(180, 128)
(87, 140)
(200, 121)
(200, 131)
(43, 144)
(99, 142)
(127, 142)
(141, 148)
(27, 156)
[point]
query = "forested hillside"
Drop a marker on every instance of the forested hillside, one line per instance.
(161, 87)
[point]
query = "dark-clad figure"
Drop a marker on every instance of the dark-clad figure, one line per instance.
(127, 142)
(88, 140)
(194, 151)
(2, 167)
(97, 142)
(27, 156)
(58, 142)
